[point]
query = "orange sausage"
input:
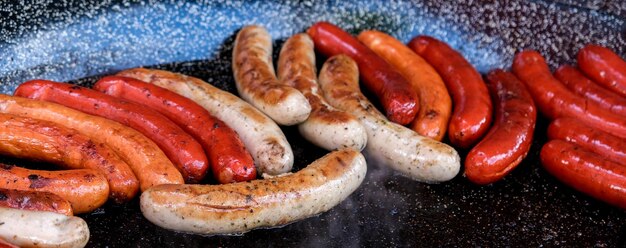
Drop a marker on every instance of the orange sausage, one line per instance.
(472, 106)
(604, 66)
(46, 141)
(85, 189)
(554, 100)
(435, 103)
(145, 158)
(182, 149)
(34, 200)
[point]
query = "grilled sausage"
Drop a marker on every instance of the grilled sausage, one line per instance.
(472, 106)
(46, 141)
(578, 83)
(326, 127)
(396, 95)
(256, 81)
(144, 157)
(422, 159)
(261, 136)
(229, 160)
(26, 228)
(554, 100)
(510, 137)
(604, 67)
(592, 139)
(34, 200)
(5, 244)
(84, 189)
(240, 207)
(586, 171)
(434, 101)
(182, 149)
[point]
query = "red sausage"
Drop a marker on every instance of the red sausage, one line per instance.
(397, 97)
(185, 152)
(554, 100)
(604, 66)
(230, 161)
(595, 140)
(577, 82)
(586, 171)
(472, 106)
(510, 137)
(34, 200)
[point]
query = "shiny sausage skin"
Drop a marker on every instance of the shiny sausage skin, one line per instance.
(577, 82)
(229, 160)
(144, 157)
(398, 99)
(262, 137)
(592, 139)
(510, 137)
(256, 81)
(604, 67)
(182, 149)
(46, 141)
(5, 244)
(326, 127)
(243, 206)
(392, 145)
(34, 200)
(26, 228)
(473, 109)
(434, 100)
(85, 189)
(586, 171)
(554, 100)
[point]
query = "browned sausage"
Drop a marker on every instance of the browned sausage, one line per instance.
(85, 189)
(46, 141)
(34, 200)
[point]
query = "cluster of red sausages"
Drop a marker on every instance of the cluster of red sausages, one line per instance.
(425, 84)
(587, 135)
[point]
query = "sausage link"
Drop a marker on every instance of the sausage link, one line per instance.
(604, 67)
(26, 228)
(582, 86)
(84, 189)
(230, 161)
(592, 139)
(144, 157)
(262, 137)
(586, 171)
(392, 145)
(434, 100)
(34, 200)
(182, 149)
(555, 100)
(240, 207)
(510, 137)
(398, 99)
(256, 81)
(326, 126)
(473, 109)
(46, 141)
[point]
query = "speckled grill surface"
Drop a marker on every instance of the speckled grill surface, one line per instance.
(83, 40)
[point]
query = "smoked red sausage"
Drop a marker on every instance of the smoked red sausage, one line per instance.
(472, 106)
(586, 171)
(604, 66)
(554, 100)
(230, 161)
(396, 95)
(182, 149)
(510, 137)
